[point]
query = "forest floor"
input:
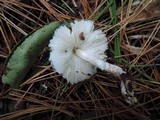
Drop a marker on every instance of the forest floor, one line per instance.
(133, 31)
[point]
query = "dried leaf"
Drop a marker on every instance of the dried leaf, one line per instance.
(151, 11)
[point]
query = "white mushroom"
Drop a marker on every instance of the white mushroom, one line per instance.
(78, 51)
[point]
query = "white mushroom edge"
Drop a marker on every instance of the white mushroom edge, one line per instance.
(76, 52)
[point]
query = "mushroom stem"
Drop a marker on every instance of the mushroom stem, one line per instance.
(126, 90)
(93, 59)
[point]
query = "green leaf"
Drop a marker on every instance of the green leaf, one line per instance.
(113, 11)
(25, 53)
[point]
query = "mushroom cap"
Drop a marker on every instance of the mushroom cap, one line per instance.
(65, 42)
